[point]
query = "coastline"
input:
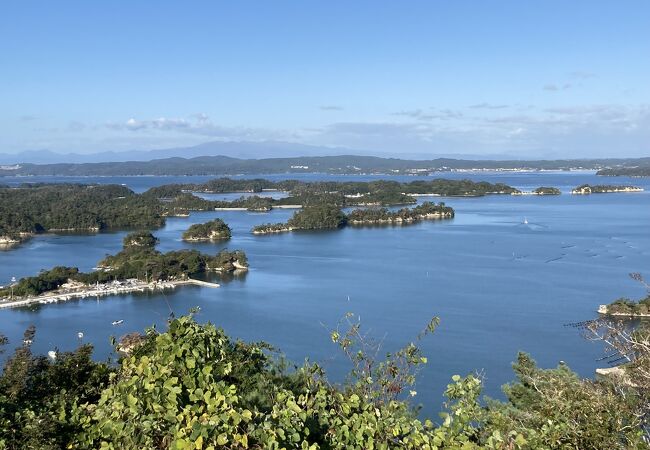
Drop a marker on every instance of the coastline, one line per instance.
(589, 191)
(603, 309)
(114, 288)
(400, 220)
(273, 207)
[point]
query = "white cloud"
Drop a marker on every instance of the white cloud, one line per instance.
(582, 75)
(435, 114)
(557, 87)
(200, 124)
(581, 131)
(488, 106)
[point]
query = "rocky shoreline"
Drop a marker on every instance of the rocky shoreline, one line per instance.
(586, 189)
(214, 236)
(401, 220)
(604, 310)
(273, 230)
(79, 291)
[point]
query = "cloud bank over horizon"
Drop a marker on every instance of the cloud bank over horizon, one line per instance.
(423, 78)
(519, 130)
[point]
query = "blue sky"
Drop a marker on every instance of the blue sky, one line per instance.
(526, 78)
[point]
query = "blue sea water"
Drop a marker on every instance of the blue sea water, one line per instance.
(498, 285)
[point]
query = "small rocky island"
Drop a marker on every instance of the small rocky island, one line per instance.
(546, 190)
(214, 230)
(587, 189)
(323, 217)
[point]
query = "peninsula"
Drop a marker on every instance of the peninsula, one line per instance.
(319, 217)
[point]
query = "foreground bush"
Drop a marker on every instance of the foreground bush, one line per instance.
(192, 387)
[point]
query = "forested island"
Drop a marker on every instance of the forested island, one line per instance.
(40, 208)
(380, 216)
(329, 217)
(318, 217)
(138, 264)
(213, 230)
(641, 171)
(438, 186)
(546, 190)
(587, 189)
(627, 307)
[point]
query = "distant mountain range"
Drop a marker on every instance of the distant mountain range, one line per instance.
(342, 164)
(244, 150)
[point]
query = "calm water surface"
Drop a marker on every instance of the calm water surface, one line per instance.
(498, 285)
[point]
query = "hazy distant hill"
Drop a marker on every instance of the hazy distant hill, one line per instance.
(243, 150)
(265, 149)
(641, 171)
(348, 164)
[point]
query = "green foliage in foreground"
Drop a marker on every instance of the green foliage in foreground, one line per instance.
(192, 387)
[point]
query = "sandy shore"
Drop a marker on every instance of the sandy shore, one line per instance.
(101, 291)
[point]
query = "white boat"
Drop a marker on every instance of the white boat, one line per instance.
(51, 354)
(80, 335)
(118, 322)
(525, 221)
